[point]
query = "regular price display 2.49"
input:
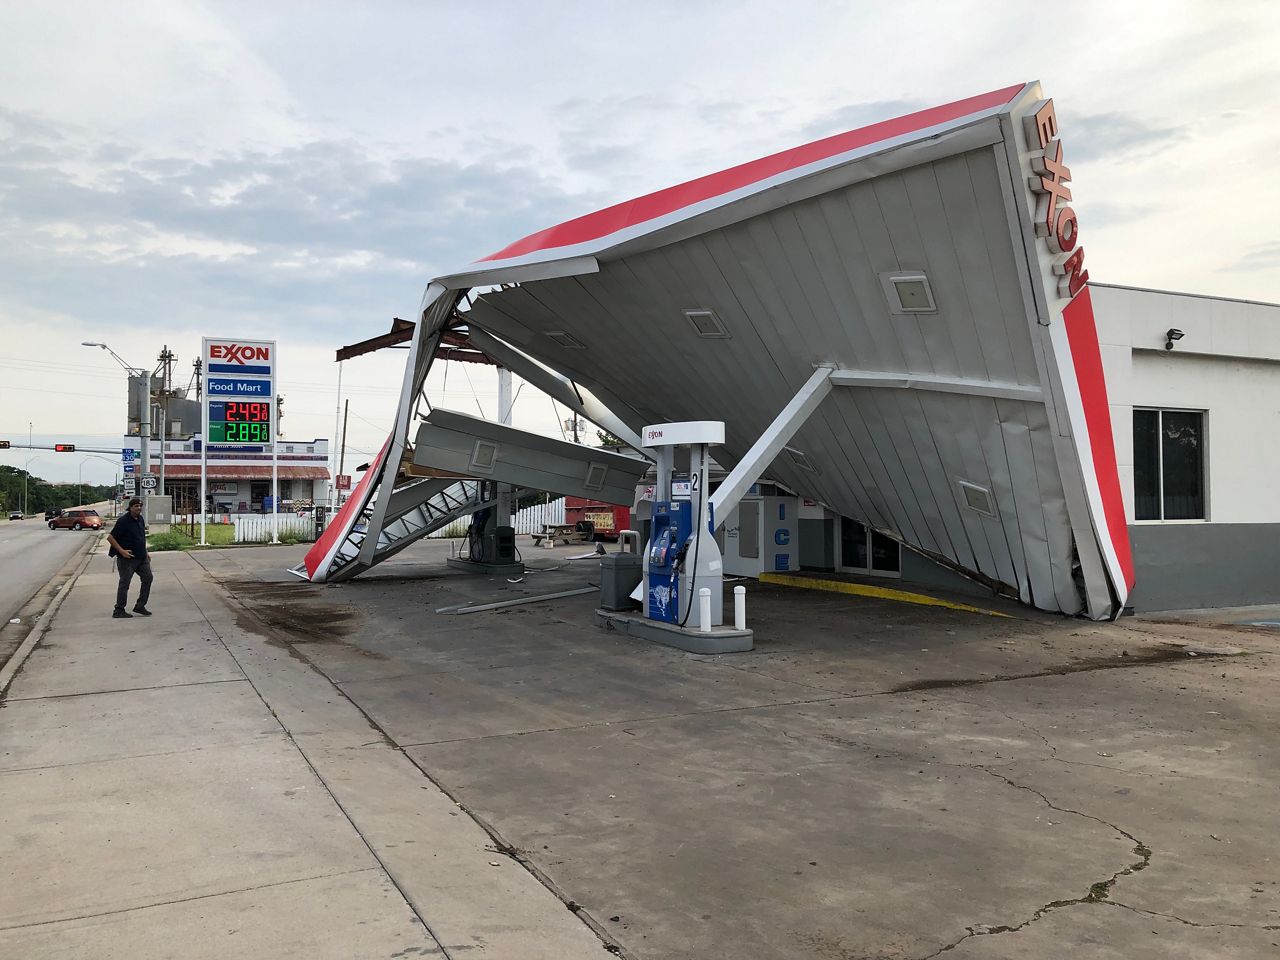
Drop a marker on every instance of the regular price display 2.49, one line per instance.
(239, 421)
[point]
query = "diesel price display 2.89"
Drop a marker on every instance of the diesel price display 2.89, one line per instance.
(239, 421)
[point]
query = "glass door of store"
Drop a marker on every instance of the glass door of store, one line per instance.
(862, 550)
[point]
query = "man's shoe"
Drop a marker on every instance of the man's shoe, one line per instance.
(142, 611)
(120, 613)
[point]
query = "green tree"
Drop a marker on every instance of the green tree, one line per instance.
(607, 439)
(42, 496)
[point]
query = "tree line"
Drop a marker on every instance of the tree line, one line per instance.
(42, 496)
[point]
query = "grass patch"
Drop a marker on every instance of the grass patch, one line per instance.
(170, 540)
(216, 535)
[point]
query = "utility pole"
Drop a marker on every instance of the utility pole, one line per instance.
(342, 454)
(198, 364)
(333, 448)
(25, 502)
(144, 426)
(166, 359)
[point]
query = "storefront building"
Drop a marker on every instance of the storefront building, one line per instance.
(239, 479)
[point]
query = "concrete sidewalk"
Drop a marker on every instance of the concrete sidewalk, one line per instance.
(180, 786)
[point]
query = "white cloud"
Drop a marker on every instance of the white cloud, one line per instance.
(170, 168)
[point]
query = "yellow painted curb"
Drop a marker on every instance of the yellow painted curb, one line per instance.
(867, 590)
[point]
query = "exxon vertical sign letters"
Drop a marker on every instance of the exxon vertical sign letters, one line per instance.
(1055, 221)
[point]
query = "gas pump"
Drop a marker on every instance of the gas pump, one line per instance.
(682, 556)
(672, 525)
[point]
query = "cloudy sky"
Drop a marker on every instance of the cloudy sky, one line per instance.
(173, 169)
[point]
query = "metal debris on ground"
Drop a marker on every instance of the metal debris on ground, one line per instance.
(500, 604)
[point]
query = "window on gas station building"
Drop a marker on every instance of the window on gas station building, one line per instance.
(1168, 464)
(863, 550)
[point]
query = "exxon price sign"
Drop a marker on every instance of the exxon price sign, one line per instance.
(239, 374)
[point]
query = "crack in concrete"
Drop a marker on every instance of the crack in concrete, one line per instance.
(1190, 923)
(1098, 891)
(191, 899)
(115, 690)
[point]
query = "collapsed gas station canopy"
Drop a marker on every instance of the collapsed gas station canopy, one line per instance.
(930, 263)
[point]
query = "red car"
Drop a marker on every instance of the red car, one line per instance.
(77, 520)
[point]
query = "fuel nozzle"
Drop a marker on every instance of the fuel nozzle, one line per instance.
(684, 552)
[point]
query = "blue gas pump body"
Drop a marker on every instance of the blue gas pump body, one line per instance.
(672, 525)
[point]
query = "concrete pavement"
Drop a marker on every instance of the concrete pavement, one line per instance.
(272, 768)
(180, 787)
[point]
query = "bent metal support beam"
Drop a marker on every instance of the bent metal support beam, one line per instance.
(973, 388)
(769, 445)
(349, 544)
(557, 385)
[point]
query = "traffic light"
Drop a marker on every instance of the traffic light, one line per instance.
(64, 448)
(4, 444)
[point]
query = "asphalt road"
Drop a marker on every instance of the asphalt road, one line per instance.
(30, 554)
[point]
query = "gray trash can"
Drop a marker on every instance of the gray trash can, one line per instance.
(620, 573)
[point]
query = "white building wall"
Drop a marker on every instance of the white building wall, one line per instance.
(1227, 363)
(1242, 400)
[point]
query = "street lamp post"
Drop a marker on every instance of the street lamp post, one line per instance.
(26, 470)
(25, 504)
(144, 428)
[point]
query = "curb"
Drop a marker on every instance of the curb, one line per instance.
(15, 662)
(879, 593)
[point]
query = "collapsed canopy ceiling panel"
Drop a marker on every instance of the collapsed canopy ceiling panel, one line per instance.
(468, 446)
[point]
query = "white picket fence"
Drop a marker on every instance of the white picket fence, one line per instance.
(528, 520)
(531, 519)
(256, 528)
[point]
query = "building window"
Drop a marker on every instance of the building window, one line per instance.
(867, 551)
(1168, 465)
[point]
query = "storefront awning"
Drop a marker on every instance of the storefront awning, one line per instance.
(220, 471)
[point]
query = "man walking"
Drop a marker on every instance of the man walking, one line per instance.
(128, 539)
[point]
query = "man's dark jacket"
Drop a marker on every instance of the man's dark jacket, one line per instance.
(131, 534)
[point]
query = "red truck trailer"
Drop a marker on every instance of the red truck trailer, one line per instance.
(607, 520)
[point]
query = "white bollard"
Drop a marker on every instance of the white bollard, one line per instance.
(704, 610)
(739, 608)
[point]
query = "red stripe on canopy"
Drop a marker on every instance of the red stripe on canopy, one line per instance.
(593, 226)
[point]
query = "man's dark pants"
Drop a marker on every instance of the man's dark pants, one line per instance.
(127, 568)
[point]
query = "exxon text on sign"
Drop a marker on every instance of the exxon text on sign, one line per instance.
(1055, 220)
(252, 358)
(237, 387)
